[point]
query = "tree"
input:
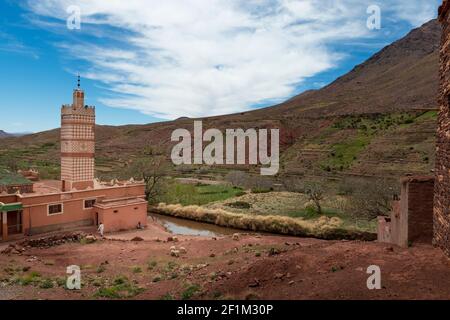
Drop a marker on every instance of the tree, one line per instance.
(152, 169)
(314, 190)
(315, 193)
(372, 198)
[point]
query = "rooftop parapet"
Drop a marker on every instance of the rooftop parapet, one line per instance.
(69, 109)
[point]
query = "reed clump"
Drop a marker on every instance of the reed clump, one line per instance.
(321, 228)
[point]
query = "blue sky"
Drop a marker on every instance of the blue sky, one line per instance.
(145, 61)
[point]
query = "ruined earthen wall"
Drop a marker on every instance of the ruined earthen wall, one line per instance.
(420, 210)
(442, 170)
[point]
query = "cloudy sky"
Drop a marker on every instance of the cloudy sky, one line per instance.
(147, 60)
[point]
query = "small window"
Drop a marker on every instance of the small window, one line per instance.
(89, 203)
(55, 209)
(116, 211)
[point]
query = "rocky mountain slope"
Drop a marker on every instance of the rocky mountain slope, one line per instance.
(3, 134)
(377, 120)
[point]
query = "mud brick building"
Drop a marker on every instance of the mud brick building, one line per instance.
(442, 170)
(411, 219)
(78, 199)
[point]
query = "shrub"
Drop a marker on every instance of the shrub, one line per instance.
(101, 268)
(137, 269)
(240, 205)
(323, 228)
(121, 288)
(189, 292)
(372, 198)
(262, 190)
(46, 284)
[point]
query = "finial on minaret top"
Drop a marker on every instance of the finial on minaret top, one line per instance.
(78, 95)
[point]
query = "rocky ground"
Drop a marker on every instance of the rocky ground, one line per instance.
(230, 267)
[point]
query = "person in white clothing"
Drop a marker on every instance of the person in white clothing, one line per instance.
(101, 229)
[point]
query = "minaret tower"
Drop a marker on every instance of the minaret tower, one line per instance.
(77, 143)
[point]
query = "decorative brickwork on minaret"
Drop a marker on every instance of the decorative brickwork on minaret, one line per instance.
(77, 143)
(442, 184)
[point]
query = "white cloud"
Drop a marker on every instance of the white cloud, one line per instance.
(208, 57)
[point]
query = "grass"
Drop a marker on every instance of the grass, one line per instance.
(186, 194)
(137, 269)
(344, 153)
(36, 156)
(167, 297)
(46, 284)
(120, 289)
(101, 268)
(190, 291)
(151, 265)
(240, 205)
(348, 221)
(323, 227)
(33, 278)
(363, 130)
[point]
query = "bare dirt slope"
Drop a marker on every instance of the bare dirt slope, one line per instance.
(253, 267)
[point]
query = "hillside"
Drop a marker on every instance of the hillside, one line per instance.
(376, 120)
(3, 134)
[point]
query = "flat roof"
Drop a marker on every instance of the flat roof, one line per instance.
(113, 203)
(44, 187)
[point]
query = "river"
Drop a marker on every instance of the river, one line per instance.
(186, 227)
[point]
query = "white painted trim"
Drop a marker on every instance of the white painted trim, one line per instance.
(55, 214)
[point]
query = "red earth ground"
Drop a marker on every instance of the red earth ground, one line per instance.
(251, 267)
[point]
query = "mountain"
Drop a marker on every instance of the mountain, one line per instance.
(3, 134)
(377, 120)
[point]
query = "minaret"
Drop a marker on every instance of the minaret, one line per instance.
(77, 143)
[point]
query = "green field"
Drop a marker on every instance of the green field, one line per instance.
(187, 194)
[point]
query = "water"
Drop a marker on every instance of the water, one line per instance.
(186, 227)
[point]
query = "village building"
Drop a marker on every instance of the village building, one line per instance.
(422, 214)
(78, 199)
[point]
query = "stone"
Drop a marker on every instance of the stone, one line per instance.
(90, 239)
(175, 253)
(236, 237)
(183, 250)
(442, 184)
(254, 284)
(279, 276)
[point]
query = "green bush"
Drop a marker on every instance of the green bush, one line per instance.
(240, 205)
(190, 291)
(46, 284)
(262, 190)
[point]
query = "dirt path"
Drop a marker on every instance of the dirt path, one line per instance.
(261, 267)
